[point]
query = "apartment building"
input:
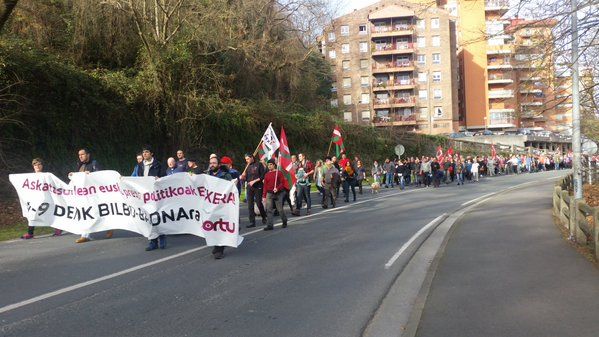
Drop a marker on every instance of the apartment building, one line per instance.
(395, 65)
(507, 74)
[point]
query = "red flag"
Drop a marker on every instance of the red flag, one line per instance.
(450, 151)
(285, 159)
(493, 151)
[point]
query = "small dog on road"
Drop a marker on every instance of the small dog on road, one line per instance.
(375, 187)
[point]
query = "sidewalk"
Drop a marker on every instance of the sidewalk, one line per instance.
(506, 271)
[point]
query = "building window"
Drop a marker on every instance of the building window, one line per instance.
(345, 64)
(422, 94)
(422, 77)
(347, 82)
(365, 81)
(423, 112)
(344, 30)
(366, 115)
(347, 99)
(436, 76)
(347, 116)
(331, 36)
(437, 94)
(421, 23)
(364, 64)
(436, 58)
(436, 41)
(365, 99)
(345, 48)
(334, 103)
(334, 87)
(421, 59)
(421, 41)
(438, 112)
(363, 47)
(435, 23)
(363, 30)
(332, 54)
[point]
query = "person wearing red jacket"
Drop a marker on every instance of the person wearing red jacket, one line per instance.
(274, 192)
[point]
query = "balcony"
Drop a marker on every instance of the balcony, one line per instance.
(532, 115)
(564, 106)
(505, 122)
(497, 79)
(531, 91)
(394, 102)
(497, 5)
(500, 51)
(394, 120)
(393, 48)
(530, 78)
(396, 85)
(504, 65)
(392, 67)
(532, 103)
(505, 110)
(501, 93)
(395, 30)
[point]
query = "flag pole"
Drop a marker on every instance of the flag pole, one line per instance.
(277, 170)
(253, 156)
(329, 150)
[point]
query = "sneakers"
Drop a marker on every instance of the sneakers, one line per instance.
(82, 240)
(268, 228)
(57, 232)
(27, 236)
(250, 225)
(162, 241)
(152, 245)
(109, 234)
(218, 255)
(308, 211)
(296, 212)
(284, 225)
(264, 221)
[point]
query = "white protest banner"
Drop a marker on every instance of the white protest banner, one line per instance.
(178, 204)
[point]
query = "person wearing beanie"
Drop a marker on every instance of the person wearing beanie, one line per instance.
(234, 173)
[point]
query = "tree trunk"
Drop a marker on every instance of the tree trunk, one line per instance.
(6, 7)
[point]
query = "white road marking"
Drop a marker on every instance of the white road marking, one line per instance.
(477, 199)
(412, 239)
(164, 259)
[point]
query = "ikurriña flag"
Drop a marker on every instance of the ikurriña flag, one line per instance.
(285, 159)
(337, 139)
(269, 144)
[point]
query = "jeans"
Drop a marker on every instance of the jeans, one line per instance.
(275, 200)
(460, 177)
(303, 193)
(389, 179)
(402, 182)
(254, 195)
(347, 184)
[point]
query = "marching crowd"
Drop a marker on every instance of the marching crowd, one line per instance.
(268, 189)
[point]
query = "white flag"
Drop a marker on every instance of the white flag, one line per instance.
(270, 142)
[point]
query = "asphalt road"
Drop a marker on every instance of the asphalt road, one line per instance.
(325, 275)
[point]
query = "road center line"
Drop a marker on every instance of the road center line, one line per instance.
(412, 239)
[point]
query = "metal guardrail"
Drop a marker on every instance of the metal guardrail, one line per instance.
(581, 220)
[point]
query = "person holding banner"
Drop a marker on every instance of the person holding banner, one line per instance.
(274, 192)
(221, 172)
(87, 164)
(38, 167)
(150, 167)
(254, 176)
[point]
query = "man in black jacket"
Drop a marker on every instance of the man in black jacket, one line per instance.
(151, 167)
(254, 176)
(87, 164)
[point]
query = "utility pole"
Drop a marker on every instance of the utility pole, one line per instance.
(576, 139)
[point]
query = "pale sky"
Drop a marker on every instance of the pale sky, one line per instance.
(350, 5)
